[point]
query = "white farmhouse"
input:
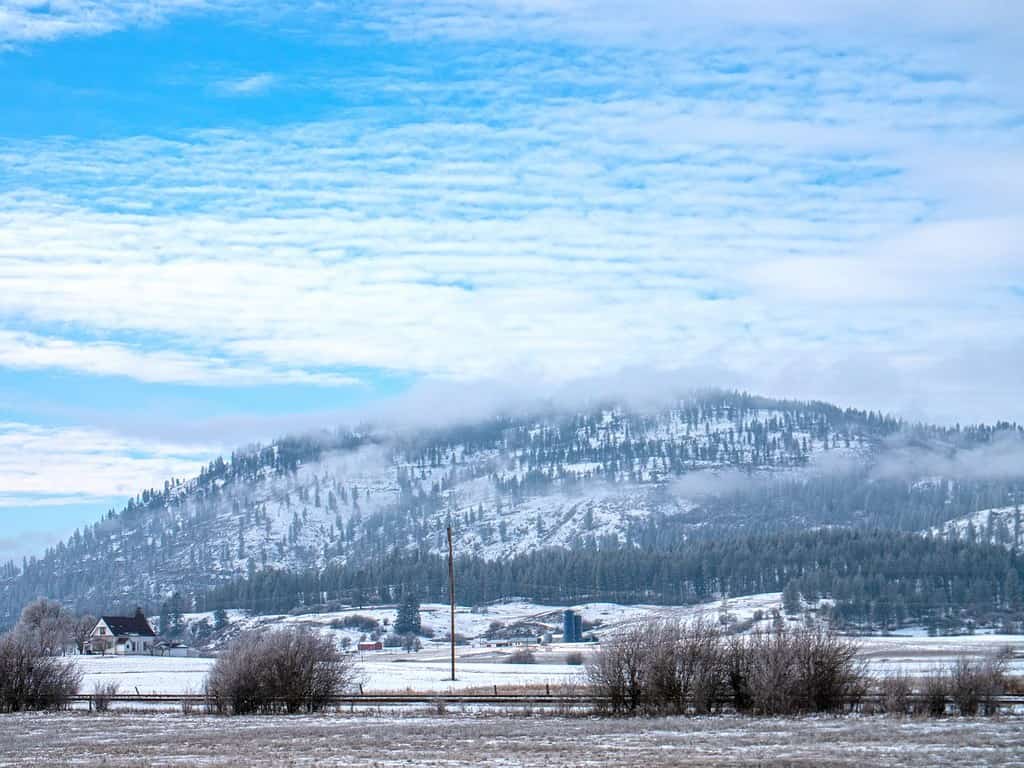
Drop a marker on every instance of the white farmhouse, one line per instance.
(122, 635)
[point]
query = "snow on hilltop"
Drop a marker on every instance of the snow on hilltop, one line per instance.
(506, 485)
(1002, 526)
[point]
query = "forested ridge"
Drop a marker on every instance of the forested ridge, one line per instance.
(874, 578)
(615, 487)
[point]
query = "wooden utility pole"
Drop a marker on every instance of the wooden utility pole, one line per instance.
(451, 593)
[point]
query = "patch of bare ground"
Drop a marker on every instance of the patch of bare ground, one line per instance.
(457, 739)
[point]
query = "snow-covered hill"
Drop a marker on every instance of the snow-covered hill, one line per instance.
(1003, 526)
(723, 462)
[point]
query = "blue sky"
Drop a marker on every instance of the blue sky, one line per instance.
(220, 222)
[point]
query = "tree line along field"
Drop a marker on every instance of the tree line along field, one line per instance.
(423, 738)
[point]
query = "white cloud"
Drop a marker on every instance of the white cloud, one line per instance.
(25, 21)
(28, 351)
(247, 86)
(569, 240)
(92, 463)
(1002, 458)
(790, 218)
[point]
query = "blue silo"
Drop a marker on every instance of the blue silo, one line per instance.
(571, 624)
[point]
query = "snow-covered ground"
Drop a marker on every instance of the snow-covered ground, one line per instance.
(144, 674)
(481, 665)
(432, 672)
(1001, 526)
(423, 671)
(473, 623)
(917, 655)
(467, 739)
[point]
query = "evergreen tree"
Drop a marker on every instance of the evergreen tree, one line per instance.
(1012, 591)
(407, 622)
(791, 598)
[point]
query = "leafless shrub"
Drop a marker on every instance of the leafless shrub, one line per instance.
(974, 684)
(102, 694)
(358, 622)
(662, 668)
(574, 658)
(772, 667)
(934, 692)
(701, 665)
(662, 688)
(790, 672)
(617, 671)
(687, 667)
(1014, 685)
(896, 692)
(739, 663)
(29, 679)
(829, 672)
(186, 704)
(669, 667)
(566, 707)
(291, 669)
(522, 656)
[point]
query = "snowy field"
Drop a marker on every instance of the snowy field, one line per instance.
(143, 674)
(459, 739)
(483, 667)
(919, 654)
(479, 668)
(424, 671)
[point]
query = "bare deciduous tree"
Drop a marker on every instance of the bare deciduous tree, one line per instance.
(31, 679)
(47, 624)
(81, 626)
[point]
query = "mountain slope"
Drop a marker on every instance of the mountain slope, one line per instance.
(1003, 527)
(610, 476)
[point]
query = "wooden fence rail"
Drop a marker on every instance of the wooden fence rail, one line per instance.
(446, 698)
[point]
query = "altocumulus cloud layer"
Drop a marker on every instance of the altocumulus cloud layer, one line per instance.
(814, 202)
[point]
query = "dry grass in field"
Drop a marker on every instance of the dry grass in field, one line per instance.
(460, 739)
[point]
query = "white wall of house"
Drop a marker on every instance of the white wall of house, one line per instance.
(124, 645)
(100, 636)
